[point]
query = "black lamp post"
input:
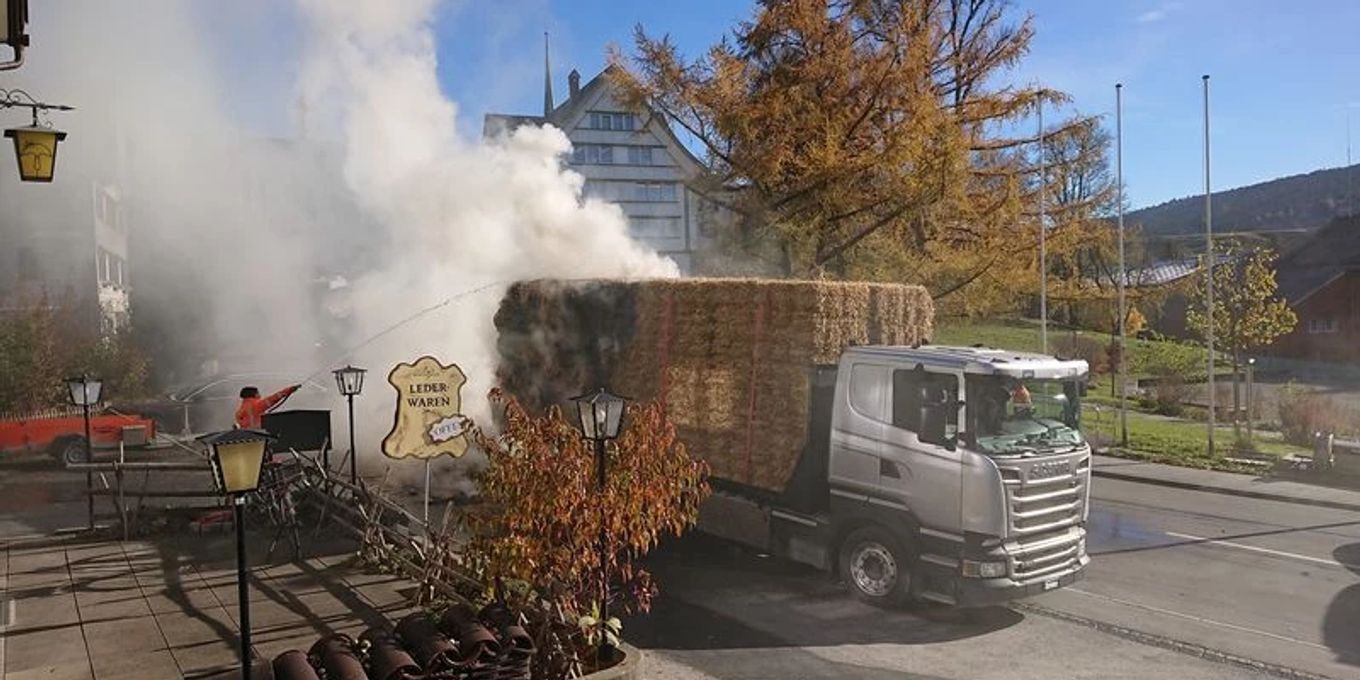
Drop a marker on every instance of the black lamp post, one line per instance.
(84, 392)
(601, 414)
(350, 380)
(237, 459)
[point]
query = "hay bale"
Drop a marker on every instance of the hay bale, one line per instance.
(731, 358)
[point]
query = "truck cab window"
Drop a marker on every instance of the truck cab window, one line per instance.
(1010, 416)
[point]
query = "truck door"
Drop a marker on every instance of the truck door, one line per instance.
(860, 417)
(921, 461)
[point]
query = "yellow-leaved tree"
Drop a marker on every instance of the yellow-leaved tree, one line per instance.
(871, 139)
(1248, 312)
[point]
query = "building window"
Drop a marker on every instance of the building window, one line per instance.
(1327, 325)
(605, 120)
(640, 155)
(592, 154)
(654, 227)
(631, 192)
(654, 192)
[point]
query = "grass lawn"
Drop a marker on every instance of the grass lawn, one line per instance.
(1176, 441)
(1023, 334)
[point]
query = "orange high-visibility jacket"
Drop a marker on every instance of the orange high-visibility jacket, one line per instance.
(252, 409)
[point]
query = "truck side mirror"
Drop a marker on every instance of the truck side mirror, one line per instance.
(934, 418)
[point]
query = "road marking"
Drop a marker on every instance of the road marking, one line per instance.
(1267, 551)
(1197, 619)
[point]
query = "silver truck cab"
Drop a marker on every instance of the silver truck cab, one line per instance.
(957, 474)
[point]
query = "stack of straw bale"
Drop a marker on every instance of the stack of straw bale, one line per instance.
(730, 358)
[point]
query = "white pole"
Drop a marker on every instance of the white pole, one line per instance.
(1123, 272)
(1209, 267)
(1043, 227)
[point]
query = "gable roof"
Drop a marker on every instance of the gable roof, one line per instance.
(1331, 252)
(571, 110)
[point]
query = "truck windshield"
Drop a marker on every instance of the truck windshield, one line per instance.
(1009, 416)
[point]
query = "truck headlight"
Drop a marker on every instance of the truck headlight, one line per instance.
(972, 569)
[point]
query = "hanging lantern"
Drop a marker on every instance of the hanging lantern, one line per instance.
(36, 150)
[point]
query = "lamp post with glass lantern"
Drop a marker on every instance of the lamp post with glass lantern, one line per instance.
(84, 391)
(601, 414)
(350, 380)
(237, 459)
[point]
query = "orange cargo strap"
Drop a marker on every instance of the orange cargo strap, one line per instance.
(664, 351)
(756, 334)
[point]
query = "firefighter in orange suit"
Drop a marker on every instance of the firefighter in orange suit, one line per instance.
(253, 407)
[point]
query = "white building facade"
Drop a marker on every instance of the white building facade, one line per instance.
(630, 158)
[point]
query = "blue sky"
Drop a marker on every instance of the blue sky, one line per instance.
(1284, 75)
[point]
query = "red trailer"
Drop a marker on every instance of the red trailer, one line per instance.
(61, 432)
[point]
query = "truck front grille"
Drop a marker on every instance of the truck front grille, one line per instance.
(1045, 499)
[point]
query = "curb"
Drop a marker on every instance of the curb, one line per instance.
(1261, 495)
(630, 668)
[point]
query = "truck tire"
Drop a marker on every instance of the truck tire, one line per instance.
(877, 566)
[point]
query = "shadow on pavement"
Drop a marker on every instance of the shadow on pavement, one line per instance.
(1341, 623)
(717, 596)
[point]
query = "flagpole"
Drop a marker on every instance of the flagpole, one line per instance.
(1123, 271)
(1043, 227)
(1209, 268)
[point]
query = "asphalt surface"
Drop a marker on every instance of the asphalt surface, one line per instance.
(1182, 584)
(1230, 577)
(1271, 581)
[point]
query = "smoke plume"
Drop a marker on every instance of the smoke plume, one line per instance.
(372, 192)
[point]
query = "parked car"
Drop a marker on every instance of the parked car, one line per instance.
(61, 432)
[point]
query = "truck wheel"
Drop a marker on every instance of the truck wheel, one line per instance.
(877, 566)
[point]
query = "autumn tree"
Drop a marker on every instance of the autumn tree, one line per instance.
(44, 341)
(551, 537)
(1248, 312)
(864, 138)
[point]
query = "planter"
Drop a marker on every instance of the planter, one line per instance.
(630, 668)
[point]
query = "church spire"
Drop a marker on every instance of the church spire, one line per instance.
(547, 80)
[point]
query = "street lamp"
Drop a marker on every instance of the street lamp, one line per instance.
(84, 392)
(237, 459)
(35, 146)
(350, 380)
(600, 414)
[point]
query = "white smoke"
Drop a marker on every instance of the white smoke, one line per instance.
(458, 214)
(413, 212)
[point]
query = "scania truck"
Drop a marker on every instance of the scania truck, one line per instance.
(836, 435)
(927, 476)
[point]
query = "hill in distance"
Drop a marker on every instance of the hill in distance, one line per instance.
(1306, 201)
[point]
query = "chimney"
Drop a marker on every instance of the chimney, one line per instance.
(574, 83)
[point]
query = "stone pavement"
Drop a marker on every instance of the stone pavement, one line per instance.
(167, 608)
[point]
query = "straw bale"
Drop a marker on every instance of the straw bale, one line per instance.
(731, 358)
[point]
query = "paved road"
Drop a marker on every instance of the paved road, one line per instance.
(1277, 582)
(1261, 580)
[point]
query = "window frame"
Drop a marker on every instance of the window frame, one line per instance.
(900, 412)
(1322, 325)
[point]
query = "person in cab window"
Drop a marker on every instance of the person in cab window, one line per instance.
(992, 411)
(250, 414)
(1021, 403)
